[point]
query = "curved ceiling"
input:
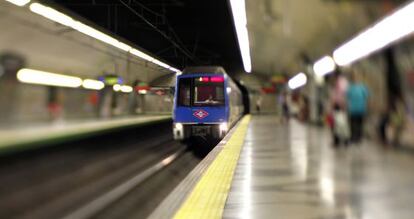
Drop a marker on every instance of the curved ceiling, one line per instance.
(285, 35)
(182, 32)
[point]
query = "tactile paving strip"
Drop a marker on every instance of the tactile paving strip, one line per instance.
(209, 196)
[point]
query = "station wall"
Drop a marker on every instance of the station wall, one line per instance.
(404, 54)
(374, 74)
(44, 45)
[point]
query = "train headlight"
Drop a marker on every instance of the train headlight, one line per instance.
(178, 126)
(223, 127)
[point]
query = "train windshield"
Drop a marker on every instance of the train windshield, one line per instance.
(201, 91)
(208, 91)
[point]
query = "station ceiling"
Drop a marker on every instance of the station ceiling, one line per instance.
(284, 35)
(182, 32)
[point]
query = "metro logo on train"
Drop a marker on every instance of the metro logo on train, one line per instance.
(201, 114)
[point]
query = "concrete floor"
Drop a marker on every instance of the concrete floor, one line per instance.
(292, 171)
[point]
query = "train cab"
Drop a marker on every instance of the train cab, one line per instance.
(206, 103)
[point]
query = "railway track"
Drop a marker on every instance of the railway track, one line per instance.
(99, 178)
(107, 199)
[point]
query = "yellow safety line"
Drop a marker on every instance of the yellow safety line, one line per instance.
(209, 196)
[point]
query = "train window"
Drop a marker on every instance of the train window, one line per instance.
(208, 92)
(184, 94)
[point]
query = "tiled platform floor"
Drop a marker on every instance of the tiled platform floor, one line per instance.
(291, 171)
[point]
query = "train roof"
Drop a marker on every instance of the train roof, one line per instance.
(204, 70)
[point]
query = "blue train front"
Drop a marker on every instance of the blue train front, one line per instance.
(206, 104)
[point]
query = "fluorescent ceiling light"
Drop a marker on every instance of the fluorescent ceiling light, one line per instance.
(19, 2)
(65, 20)
(178, 72)
(324, 66)
(122, 88)
(390, 29)
(93, 84)
(162, 64)
(298, 81)
(51, 14)
(117, 87)
(238, 8)
(126, 89)
(150, 59)
(141, 55)
(87, 30)
(174, 69)
(46, 78)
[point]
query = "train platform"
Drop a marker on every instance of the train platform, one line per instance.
(264, 169)
(21, 138)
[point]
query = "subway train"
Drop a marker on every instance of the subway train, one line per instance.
(207, 103)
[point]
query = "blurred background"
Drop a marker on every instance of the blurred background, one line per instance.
(84, 65)
(286, 37)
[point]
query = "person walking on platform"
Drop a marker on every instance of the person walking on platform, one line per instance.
(357, 98)
(340, 128)
(284, 102)
(337, 118)
(258, 104)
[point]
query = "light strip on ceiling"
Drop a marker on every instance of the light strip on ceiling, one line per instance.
(87, 30)
(178, 72)
(390, 29)
(117, 87)
(297, 81)
(19, 2)
(46, 78)
(238, 8)
(141, 55)
(51, 14)
(93, 84)
(324, 66)
(122, 88)
(157, 62)
(66, 20)
(126, 89)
